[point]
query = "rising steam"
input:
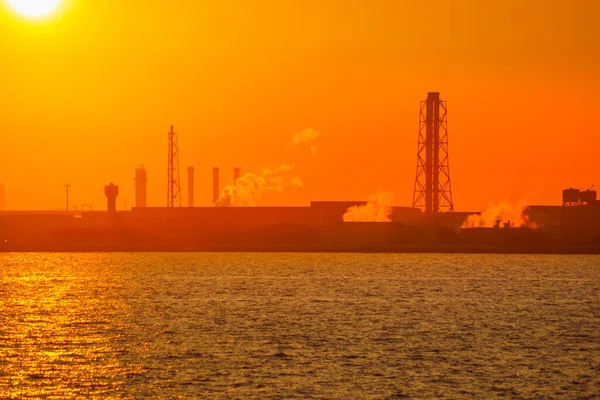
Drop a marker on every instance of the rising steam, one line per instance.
(377, 209)
(306, 137)
(250, 188)
(500, 214)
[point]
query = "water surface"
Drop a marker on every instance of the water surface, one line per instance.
(287, 326)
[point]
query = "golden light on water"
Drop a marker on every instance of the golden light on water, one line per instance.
(265, 325)
(57, 323)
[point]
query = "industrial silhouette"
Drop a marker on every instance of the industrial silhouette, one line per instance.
(190, 171)
(430, 224)
(216, 193)
(575, 197)
(67, 187)
(141, 180)
(111, 191)
(173, 184)
(433, 192)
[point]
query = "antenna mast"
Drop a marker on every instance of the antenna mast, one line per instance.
(173, 184)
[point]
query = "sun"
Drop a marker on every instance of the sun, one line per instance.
(34, 8)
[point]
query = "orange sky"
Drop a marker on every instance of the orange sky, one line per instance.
(88, 94)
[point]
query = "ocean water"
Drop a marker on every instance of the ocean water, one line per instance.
(299, 326)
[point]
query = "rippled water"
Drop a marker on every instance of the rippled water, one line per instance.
(299, 326)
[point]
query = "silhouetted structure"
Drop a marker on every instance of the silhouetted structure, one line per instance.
(2, 198)
(67, 187)
(433, 192)
(575, 197)
(190, 171)
(111, 191)
(216, 194)
(237, 173)
(318, 227)
(173, 184)
(141, 179)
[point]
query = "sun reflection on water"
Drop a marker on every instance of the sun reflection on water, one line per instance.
(298, 326)
(56, 323)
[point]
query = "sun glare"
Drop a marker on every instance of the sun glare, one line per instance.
(34, 8)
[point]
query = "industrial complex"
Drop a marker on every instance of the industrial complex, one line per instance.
(429, 224)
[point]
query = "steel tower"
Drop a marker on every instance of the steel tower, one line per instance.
(173, 184)
(433, 192)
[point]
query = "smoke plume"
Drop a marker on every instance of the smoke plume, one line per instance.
(306, 137)
(250, 188)
(377, 209)
(500, 214)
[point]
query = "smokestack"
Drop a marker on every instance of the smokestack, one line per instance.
(191, 186)
(237, 172)
(111, 191)
(2, 199)
(216, 194)
(141, 178)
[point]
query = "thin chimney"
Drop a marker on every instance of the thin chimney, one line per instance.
(237, 172)
(216, 194)
(191, 186)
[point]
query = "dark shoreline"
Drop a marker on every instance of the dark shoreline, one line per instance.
(439, 249)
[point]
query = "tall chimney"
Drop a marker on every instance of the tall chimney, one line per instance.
(216, 194)
(237, 172)
(111, 191)
(141, 179)
(2, 198)
(191, 186)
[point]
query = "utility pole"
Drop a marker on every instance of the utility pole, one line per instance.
(67, 186)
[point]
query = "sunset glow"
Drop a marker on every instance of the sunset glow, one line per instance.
(299, 199)
(34, 8)
(90, 95)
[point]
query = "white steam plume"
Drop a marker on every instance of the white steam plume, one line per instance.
(499, 214)
(306, 137)
(250, 188)
(377, 209)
